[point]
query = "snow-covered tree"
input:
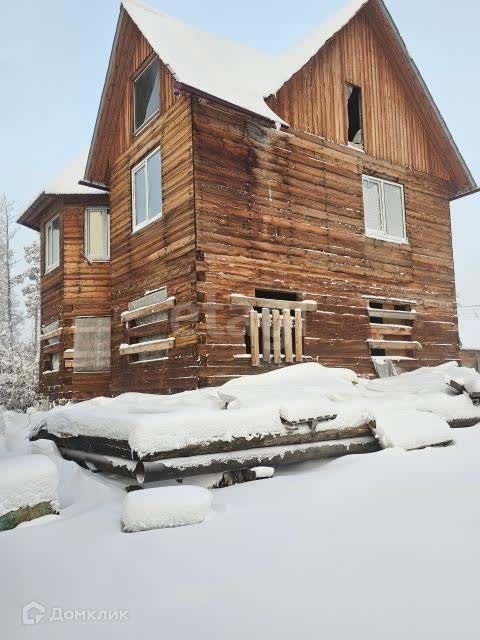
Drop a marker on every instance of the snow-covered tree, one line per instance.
(18, 358)
(31, 289)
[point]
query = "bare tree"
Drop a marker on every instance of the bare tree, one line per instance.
(10, 317)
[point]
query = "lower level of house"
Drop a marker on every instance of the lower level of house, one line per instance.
(167, 347)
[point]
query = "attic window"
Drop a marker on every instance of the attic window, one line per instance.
(146, 95)
(354, 115)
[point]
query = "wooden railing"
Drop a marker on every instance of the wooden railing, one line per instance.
(275, 328)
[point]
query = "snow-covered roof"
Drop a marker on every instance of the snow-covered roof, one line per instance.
(66, 183)
(241, 76)
(227, 70)
(232, 72)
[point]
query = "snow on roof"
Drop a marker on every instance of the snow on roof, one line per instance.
(66, 182)
(224, 69)
(292, 60)
(229, 71)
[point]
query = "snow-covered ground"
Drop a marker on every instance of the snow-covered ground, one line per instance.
(381, 545)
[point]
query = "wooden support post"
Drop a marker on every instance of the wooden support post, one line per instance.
(287, 335)
(277, 342)
(298, 335)
(267, 356)
(254, 346)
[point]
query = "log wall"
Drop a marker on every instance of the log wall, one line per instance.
(160, 254)
(75, 288)
(313, 100)
(285, 212)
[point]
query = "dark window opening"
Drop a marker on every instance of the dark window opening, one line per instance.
(355, 116)
(376, 305)
(276, 295)
(378, 352)
(376, 320)
(401, 307)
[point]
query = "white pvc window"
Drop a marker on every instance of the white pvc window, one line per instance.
(147, 190)
(97, 233)
(384, 207)
(52, 244)
(146, 95)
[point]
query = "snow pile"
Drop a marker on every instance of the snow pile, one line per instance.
(26, 481)
(261, 473)
(165, 507)
(408, 429)
(469, 378)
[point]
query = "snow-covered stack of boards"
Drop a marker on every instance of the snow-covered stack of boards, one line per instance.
(301, 412)
(28, 489)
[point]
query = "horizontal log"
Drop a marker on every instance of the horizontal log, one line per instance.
(128, 316)
(271, 456)
(303, 434)
(147, 347)
(250, 301)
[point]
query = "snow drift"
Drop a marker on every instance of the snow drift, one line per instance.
(26, 481)
(165, 507)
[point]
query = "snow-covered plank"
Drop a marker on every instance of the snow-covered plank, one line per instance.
(51, 334)
(268, 456)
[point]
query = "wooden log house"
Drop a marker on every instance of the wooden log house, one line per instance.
(248, 212)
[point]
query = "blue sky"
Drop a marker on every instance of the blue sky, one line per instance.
(54, 54)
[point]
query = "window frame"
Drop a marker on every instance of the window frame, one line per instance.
(137, 76)
(48, 225)
(86, 238)
(134, 170)
(375, 233)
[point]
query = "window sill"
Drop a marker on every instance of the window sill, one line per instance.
(392, 239)
(50, 269)
(139, 227)
(357, 147)
(97, 259)
(145, 124)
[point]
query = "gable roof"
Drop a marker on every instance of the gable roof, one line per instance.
(66, 183)
(245, 77)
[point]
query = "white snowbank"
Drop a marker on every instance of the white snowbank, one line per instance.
(409, 429)
(26, 481)
(164, 507)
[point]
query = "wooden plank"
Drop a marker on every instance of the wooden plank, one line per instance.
(250, 301)
(128, 316)
(392, 314)
(394, 344)
(51, 334)
(287, 335)
(254, 345)
(277, 341)
(266, 331)
(298, 335)
(147, 347)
